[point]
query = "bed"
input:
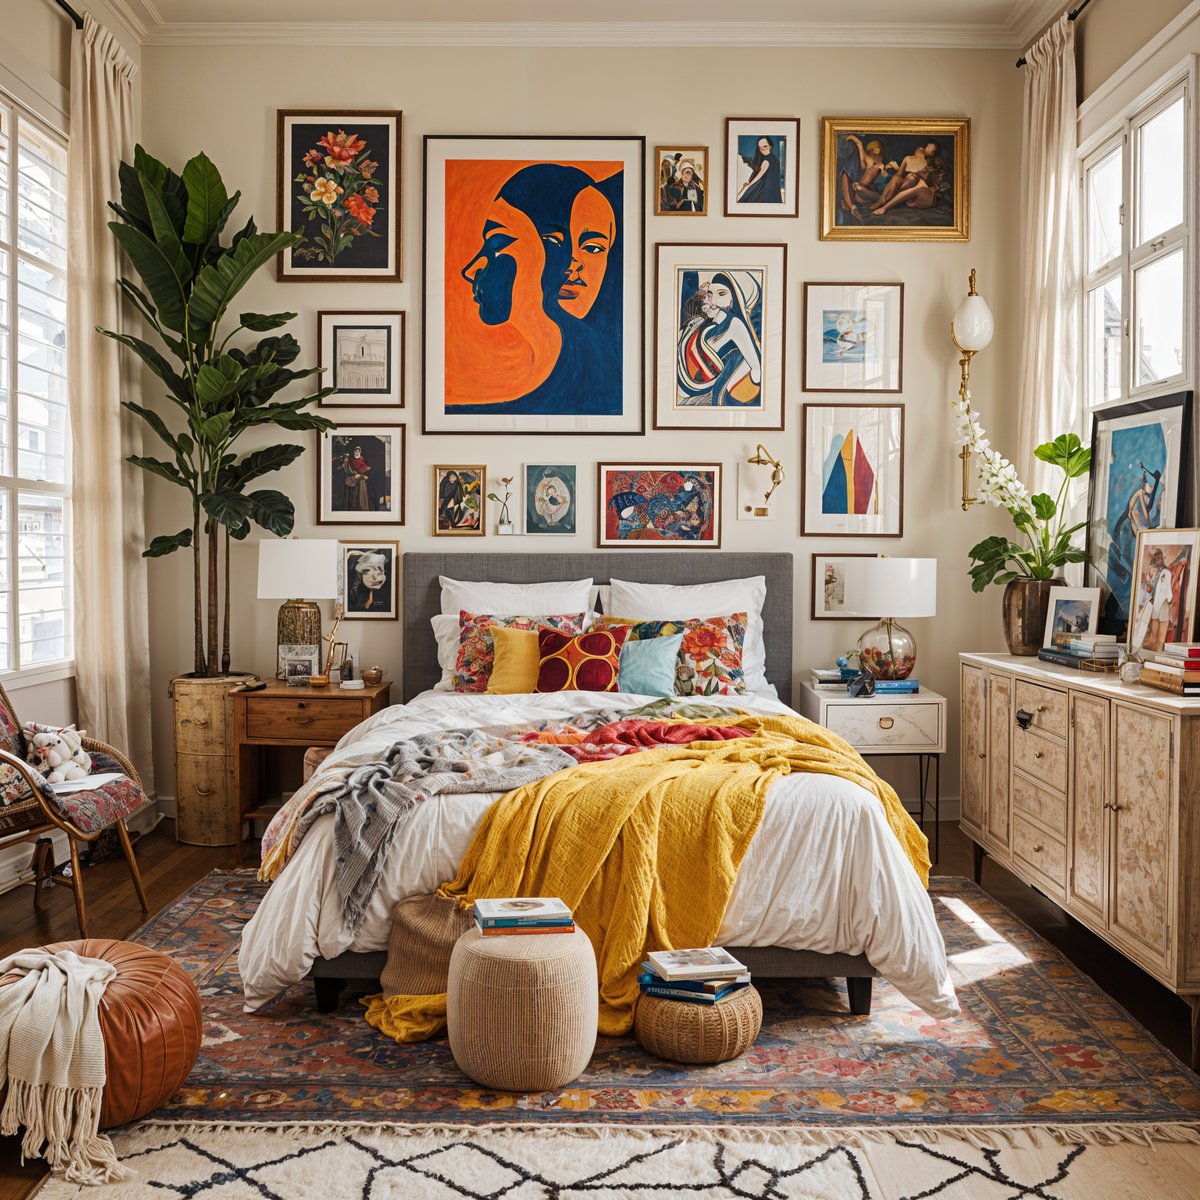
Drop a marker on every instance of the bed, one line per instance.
(295, 934)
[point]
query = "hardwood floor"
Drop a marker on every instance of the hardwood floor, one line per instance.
(169, 869)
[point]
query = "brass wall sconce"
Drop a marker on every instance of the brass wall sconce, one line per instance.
(749, 505)
(971, 329)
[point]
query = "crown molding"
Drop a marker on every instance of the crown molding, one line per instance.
(1029, 17)
(134, 24)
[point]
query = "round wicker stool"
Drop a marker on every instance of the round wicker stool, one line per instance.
(699, 1033)
(522, 1011)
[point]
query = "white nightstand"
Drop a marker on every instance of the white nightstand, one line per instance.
(894, 725)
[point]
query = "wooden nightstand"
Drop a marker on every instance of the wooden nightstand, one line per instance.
(278, 715)
(893, 725)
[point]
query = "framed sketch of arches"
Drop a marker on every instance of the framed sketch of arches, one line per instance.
(362, 355)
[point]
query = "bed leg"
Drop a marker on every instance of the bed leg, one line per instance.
(860, 995)
(329, 993)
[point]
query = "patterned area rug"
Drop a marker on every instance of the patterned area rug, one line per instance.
(1037, 1045)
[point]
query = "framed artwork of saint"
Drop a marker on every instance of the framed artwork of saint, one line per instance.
(360, 475)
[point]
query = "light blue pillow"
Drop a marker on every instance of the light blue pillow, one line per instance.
(648, 666)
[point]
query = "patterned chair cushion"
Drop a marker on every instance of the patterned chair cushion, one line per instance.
(90, 810)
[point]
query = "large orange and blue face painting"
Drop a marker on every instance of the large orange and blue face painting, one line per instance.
(533, 285)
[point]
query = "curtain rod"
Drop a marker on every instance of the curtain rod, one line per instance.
(76, 19)
(1073, 15)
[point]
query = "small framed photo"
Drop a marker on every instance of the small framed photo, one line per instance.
(852, 471)
(459, 497)
(1073, 611)
(368, 581)
(360, 475)
(1162, 607)
(853, 337)
(762, 166)
(659, 505)
(681, 181)
(298, 653)
(551, 498)
(829, 589)
(362, 354)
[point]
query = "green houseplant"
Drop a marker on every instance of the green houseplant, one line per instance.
(170, 227)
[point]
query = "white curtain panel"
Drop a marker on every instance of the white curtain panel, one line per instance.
(1048, 403)
(112, 648)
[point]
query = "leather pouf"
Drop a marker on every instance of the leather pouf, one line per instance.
(151, 1023)
(699, 1033)
(522, 1010)
(314, 756)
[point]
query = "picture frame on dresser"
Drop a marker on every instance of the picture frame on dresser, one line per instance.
(1162, 602)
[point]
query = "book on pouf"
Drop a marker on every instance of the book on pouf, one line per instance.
(506, 916)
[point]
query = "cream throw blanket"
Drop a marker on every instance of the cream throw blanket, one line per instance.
(52, 1057)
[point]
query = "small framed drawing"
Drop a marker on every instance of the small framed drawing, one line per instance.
(762, 166)
(296, 653)
(829, 589)
(551, 498)
(853, 337)
(659, 505)
(1073, 611)
(360, 475)
(853, 471)
(681, 181)
(1162, 605)
(458, 501)
(368, 582)
(338, 182)
(362, 355)
(720, 316)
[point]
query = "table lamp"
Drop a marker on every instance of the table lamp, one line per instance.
(290, 568)
(903, 587)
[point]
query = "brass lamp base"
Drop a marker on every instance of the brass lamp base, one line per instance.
(299, 624)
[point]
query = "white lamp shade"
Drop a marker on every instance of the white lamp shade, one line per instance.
(890, 587)
(297, 569)
(973, 324)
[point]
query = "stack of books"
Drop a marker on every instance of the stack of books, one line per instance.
(897, 687)
(706, 975)
(1175, 669)
(828, 679)
(1096, 650)
(522, 914)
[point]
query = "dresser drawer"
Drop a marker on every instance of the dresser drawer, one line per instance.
(1050, 808)
(302, 721)
(205, 807)
(1044, 760)
(1046, 855)
(1049, 707)
(877, 725)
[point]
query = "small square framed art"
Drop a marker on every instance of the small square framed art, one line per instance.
(362, 355)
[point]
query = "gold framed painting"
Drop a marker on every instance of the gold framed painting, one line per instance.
(458, 500)
(681, 181)
(895, 179)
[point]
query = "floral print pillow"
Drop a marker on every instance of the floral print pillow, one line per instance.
(477, 651)
(710, 655)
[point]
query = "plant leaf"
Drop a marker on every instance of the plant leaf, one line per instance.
(168, 543)
(273, 511)
(206, 198)
(156, 466)
(262, 322)
(157, 274)
(165, 235)
(219, 281)
(228, 508)
(155, 422)
(1044, 507)
(157, 363)
(262, 462)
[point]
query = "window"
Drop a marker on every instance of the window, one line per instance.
(35, 466)
(1137, 216)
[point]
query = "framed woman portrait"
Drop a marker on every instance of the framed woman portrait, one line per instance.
(534, 296)
(360, 475)
(659, 505)
(720, 316)
(551, 498)
(368, 581)
(1162, 603)
(459, 497)
(762, 166)
(853, 337)
(681, 181)
(362, 355)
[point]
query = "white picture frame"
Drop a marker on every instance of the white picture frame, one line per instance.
(1072, 611)
(754, 185)
(853, 337)
(374, 496)
(362, 355)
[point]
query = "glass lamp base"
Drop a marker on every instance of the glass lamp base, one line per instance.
(888, 650)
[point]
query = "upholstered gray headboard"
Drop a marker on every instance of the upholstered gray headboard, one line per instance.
(422, 594)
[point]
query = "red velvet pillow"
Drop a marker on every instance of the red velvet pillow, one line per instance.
(585, 662)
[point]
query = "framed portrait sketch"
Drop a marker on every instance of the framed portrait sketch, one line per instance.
(1140, 469)
(1162, 603)
(362, 354)
(659, 505)
(533, 305)
(853, 471)
(338, 182)
(895, 179)
(1073, 611)
(360, 475)
(551, 498)
(719, 321)
(681, 181)
(459, 498)
(853, 337)
(369, 581)
(829, 589)
(762, 166)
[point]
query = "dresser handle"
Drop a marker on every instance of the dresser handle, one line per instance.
(1040, 708)
(1037, 754)
(886, 722)
(205, 791)
(304, 720)
(1037, 847)
(983, 754)
(1114, 807)
(200, 722)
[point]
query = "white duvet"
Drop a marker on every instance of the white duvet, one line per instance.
(824, 871)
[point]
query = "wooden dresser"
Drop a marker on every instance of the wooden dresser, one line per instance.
(1089, 790)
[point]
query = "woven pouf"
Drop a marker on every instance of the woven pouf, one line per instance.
(314, 756)
(151, 1024)
(699, 1033)
(522, 1011)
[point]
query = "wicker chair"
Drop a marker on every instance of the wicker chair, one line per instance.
(84, 816)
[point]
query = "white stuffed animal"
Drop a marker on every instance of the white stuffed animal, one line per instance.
(60, 755)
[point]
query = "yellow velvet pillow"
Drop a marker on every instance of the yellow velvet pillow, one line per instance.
(515, 666)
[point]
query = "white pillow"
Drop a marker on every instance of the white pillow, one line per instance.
(514, 599)
(665, 601)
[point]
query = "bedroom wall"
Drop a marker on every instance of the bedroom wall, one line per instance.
(223, 99)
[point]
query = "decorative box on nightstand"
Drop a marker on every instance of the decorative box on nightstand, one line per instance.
(893, 725)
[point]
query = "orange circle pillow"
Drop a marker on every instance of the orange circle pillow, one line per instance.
(585, 662)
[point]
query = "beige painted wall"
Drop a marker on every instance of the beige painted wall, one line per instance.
(1113, 30)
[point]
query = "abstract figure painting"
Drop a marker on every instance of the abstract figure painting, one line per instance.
(362, 355)
(458, 501)
(360, 475)
(762, 166)
(1162, 605)
(681, 182)
(893, 179)
(368, 582)
(853, 337)
(853, 471)
(551, 498)
(659, 505)
(533, 285)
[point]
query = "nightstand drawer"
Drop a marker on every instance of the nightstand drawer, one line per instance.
(1049, 707)
(303, 720)
(1043, 760)
(1044, 854)
(913, 727)
(1047, 807)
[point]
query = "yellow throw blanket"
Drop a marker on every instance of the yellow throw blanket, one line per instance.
(644, 849)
